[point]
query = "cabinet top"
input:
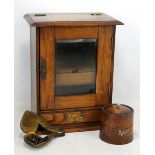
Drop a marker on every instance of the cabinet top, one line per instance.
(70, 19)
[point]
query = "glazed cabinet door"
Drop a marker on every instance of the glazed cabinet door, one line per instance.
(76, 66)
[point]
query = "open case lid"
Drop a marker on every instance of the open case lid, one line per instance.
(70, 19)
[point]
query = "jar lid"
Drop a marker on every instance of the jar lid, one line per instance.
(117, 109)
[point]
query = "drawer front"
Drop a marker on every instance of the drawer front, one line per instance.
(73, 116)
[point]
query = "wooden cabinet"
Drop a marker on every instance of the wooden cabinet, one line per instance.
(72, 57)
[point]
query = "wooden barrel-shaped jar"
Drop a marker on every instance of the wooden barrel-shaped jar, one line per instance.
(116, 124)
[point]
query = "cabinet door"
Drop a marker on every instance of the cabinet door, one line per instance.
(76, 66)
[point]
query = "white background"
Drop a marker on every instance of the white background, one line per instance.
(126, 73)
(146, 11)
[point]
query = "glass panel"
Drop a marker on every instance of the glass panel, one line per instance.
(76, 66)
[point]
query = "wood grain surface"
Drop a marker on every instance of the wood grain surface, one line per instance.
(104, 65)
(47, 53)
(116, 124)
(70, 19)
(76, 32)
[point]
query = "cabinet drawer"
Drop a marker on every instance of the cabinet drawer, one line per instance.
(73, 116)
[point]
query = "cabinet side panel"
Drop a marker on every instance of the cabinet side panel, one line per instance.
(47, 68)
(112, 63)
(34, 57)
(105, 65)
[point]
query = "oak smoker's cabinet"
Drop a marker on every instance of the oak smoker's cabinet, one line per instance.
(72, 58)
